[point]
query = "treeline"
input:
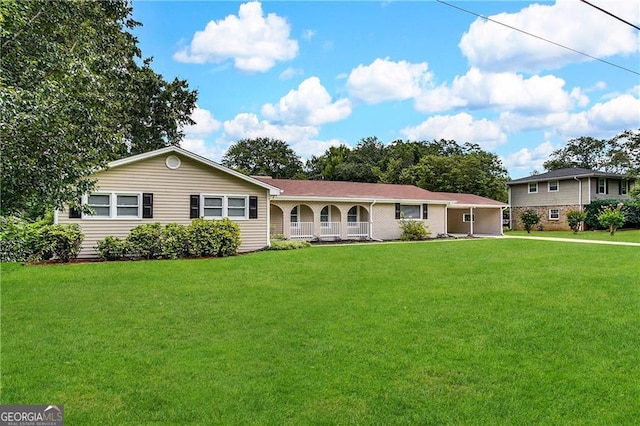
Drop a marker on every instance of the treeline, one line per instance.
(443, 165)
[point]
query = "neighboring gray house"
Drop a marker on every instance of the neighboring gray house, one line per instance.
(551, 194)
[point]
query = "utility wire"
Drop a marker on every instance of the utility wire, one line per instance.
(611, 14)
(539, 38)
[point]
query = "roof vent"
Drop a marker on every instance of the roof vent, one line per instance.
(172, 162)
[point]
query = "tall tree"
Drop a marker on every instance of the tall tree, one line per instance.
(363, 163)
(323, 167)
(263, 156)
(73, 97)
(620, 154)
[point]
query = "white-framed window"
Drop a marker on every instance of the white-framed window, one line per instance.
(554, 214)
(624, 187)
(410, 211)
(221, 206)
(468, 217)
(114, 205)
(294, 216)
(533, 188)
(352, 215)
(553, 186)
(602, 186)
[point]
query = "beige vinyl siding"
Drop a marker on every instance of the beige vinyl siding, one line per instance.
(568, 193)
(171, 198)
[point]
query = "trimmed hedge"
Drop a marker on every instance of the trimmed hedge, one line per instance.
(202, 238)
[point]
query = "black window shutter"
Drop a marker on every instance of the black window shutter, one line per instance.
(147, 205)
(425, 211)
(253, 207)
(620, 187)
(75, 213)
(397, 210)
(194, 213)
(606, 186)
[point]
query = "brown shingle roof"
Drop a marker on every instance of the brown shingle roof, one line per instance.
(378, 191)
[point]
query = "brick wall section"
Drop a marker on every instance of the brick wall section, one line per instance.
(543, 211)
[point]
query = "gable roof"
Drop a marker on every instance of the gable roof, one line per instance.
(339, 190)
(177, 150)
(567, 173)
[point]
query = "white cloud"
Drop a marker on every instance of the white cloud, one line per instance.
(253, 41)
(308, 34)
(302, 139)
(460, 127)
(574, 24)
(622, 112)
(290, 72)
(385, 80)
(200, 147)
(309, 104)
(527, 160)
(205, 124)
(505, 91)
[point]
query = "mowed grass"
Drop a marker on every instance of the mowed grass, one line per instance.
(494, 331)
(624, 235)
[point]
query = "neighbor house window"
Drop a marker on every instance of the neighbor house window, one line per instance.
(410, 211)
(554, 214)
(294, 218)
(553, 186)
(219, 206)
(115, 205)
(602, 186)
(533, 187)
(624, 187)
(352, 215)
(467, 217)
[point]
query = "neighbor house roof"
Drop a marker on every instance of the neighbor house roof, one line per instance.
(567, 173)
(320, 189)
(177, 150)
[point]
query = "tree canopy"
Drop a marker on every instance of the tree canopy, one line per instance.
(74, 95)
(621, 154)
(264, 157)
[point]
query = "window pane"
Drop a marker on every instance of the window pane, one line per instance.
(213, 212)
(127, 200)
(237, 202)
(236, 212)
(213, 202)
(410, 212)
(352, 214)
(101, 211)
(127, 211)
(99, 200)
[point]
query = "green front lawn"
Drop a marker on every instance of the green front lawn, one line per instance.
(624, 235)
(496, 331)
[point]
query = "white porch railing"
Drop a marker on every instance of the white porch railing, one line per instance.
(330, 229)
(357, 229)
(301, 230)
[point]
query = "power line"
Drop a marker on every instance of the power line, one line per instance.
(611, 14)
(539, 38)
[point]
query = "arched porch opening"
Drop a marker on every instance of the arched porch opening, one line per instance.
(301, 222)
(358, 222)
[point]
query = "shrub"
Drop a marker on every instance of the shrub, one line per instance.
(630, 208)
(175, 241)
(213, 237)
(279, 244)
(145, 241)
(612, 217)
(63, 241)
(413, 230)
(529, 218)
(112, 248)
(575, 219)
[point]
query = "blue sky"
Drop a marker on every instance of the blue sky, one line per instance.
(317, 74)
